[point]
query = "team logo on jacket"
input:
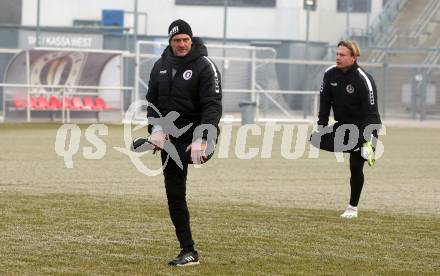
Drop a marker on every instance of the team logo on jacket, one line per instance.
(187, 74)
(349, 88)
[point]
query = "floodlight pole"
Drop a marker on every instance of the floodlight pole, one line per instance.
(37, 36)
(348, 9)
(304, 98)
(367, 27)
(225, 25)
(225, 20)
(134, 97)
(307, 31)
(135, 24)
(308, 4)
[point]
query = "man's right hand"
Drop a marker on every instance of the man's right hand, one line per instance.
(367, 152)
(157, 138)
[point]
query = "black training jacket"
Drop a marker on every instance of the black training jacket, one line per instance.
(195, 91)
(351, 94)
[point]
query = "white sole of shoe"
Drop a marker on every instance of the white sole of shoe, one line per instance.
(188, 264)
(349, 217)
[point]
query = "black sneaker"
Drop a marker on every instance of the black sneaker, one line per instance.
(141, 145)
(185, 258)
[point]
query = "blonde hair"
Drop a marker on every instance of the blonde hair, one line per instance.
(352, 46)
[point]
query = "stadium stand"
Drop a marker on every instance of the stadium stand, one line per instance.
(55, 103)
(41, 103)
(19, 103)
(89, 104)
(101, 104)
(77, 103)
(406, 35)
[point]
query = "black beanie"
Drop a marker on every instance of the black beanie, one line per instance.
(179, 27)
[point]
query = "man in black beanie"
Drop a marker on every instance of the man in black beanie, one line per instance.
(186, 81)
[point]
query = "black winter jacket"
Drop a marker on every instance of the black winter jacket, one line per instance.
(351, 94)
(194, 91)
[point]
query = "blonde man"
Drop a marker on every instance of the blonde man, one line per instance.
(351, 92)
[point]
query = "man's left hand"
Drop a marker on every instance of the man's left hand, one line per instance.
(198, 152)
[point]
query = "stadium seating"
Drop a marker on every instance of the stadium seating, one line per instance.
(67, 102)
(33, 102)
(101, 104)
(56, 103)
(41, 103)
(20, 103)
(77, 103)
(89, 103)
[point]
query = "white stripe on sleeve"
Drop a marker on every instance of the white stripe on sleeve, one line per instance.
(217, 85)
(370, 87)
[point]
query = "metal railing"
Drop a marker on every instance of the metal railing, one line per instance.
(381, 24)
(274, 102)
(377, 55)
(428, 13)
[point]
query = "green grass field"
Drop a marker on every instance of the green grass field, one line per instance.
(249, 217)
